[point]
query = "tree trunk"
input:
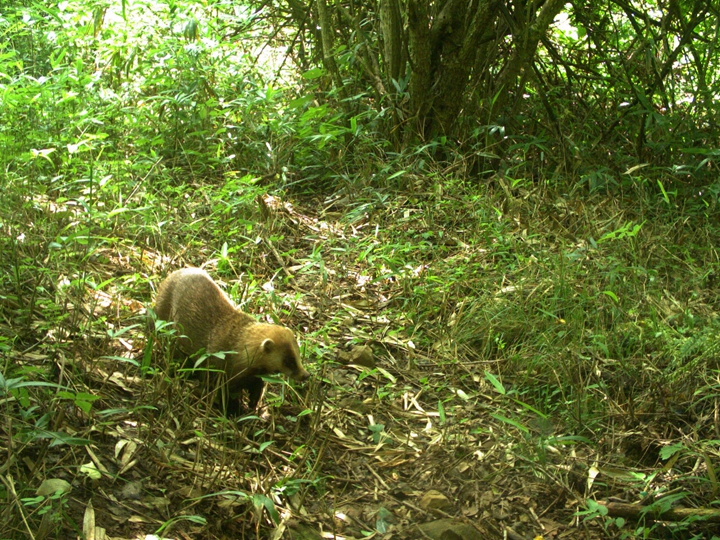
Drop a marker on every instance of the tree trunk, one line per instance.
(392, 36)
(525, 39)
(328, 47)
(420, 63)
(458, 62)
(444, 48)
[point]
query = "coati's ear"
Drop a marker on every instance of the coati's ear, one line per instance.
(267, 346)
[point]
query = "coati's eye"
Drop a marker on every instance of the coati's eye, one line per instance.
(290, 362)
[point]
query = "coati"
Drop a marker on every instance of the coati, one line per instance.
(207, 319)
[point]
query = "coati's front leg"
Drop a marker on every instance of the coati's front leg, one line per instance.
(254, 386)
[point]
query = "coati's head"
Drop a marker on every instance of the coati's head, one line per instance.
(275, 351)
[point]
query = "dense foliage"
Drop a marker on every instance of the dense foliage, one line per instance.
(512, 204)
(586, 90)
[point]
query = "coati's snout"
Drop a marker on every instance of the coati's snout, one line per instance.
(299, 375)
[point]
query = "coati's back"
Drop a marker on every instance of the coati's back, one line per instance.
(193, 301)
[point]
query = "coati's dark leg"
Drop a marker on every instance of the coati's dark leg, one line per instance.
(234, 406)
(254, 387)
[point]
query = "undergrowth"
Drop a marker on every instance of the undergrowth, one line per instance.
(605, 338)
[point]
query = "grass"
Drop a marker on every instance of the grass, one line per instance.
(552, 329)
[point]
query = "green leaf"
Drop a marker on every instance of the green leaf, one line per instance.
(63, 438)
(314, 73)
(612, 295)
(666, 452)
(301, 102)
(386, 374)
(264, 445)
(91, 471)
(496, 383)
(52, 486)
(511, 422)
(664, 193)
(261, 501)
(229, 493)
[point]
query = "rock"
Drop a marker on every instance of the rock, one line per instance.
(435, 502)
(132, 490)
(449, 529)
(360, 355)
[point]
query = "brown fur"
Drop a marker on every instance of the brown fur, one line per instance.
(207, 319)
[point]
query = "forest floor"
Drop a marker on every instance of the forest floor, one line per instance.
(484, 416)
